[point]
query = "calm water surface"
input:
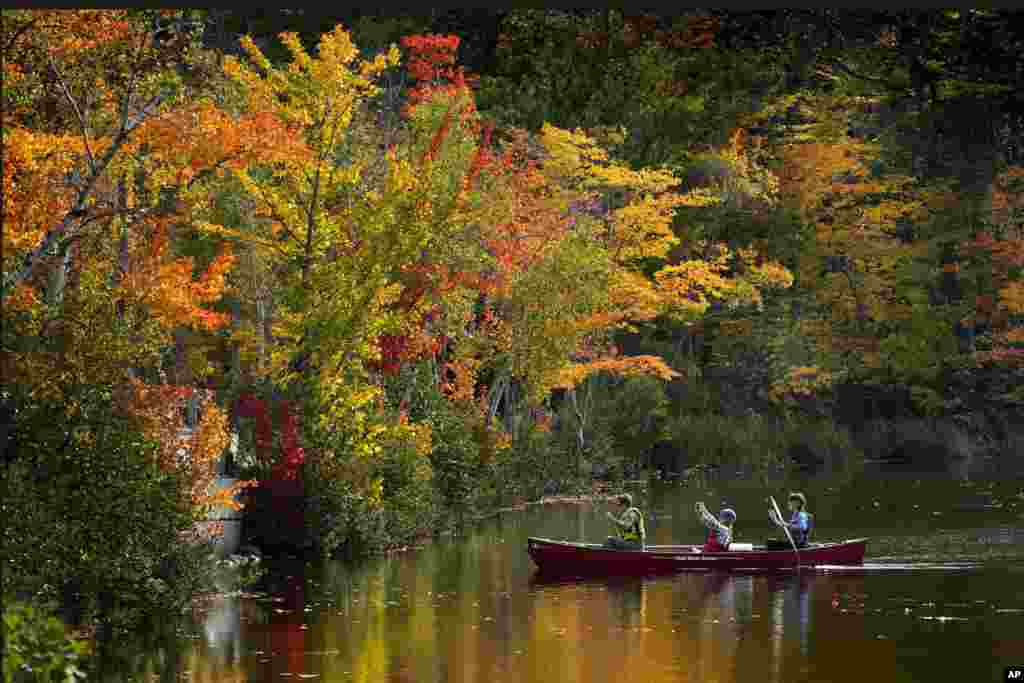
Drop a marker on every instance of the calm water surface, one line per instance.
(941, 597)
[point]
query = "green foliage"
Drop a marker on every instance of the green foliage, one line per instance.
(917, 350)
(749, 213)
(238, 572)
(928, 401)
(547, 462)
(337, 517)
(588, 69)
(755, 440)
(37, 649)
(409, 495)
(634, 417)
(358, 501)
(92, 522)
(459, 468)
(715, 439)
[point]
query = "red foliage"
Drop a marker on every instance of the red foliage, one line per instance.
(431, 56)
(393, 350)
(287, 464)
(248, 405)
(439, 136)
(483, 157)
(431, 62)
(292, 454)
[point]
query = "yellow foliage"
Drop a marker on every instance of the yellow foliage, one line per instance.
(736, 328)
(628, 366)
(1013, 336)
(36, 194)
(800, 382)
(1011, 297)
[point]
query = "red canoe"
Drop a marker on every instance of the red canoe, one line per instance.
(565, 557)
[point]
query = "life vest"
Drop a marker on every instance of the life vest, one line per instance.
(800, 536)
(712, 544)
(636, 531)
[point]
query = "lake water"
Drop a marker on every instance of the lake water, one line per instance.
(940, 598)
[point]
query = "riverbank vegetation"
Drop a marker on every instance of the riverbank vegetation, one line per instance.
(387, 273)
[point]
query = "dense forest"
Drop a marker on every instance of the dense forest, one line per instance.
(391, 271)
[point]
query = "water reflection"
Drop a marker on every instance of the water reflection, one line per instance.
(473, 609)
(699, 626)
(223, 629)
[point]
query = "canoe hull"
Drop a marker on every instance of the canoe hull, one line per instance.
(563, 557)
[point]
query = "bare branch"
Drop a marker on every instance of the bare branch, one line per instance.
(131, 81)
(82, 124)
(129, 125)
(864, 77)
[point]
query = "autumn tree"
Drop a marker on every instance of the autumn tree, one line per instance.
(102, 114)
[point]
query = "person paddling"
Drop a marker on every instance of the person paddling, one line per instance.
(719, 529)
(799, 524)
(630, 523)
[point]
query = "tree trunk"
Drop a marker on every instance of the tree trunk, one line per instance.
(58, 276)
(581, 440)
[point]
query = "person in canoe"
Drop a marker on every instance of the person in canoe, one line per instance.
(799, 523)
(630, 523)
(719, 528)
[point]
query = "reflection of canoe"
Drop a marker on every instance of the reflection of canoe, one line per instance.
(565, 557)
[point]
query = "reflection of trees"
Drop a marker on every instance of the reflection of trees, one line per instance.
(464, 610)
(223, 628)
(626, 596)
(719, 599)
(790, 614)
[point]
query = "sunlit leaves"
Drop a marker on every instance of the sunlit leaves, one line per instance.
(166, 287)
(99, 155)
(627, 366)
(158, 410)
(35, 168)
(800, 384)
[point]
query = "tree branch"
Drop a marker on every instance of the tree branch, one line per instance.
(82, 125)
(834, 62)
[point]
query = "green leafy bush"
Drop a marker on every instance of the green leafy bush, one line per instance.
(757, 440)
(36, 647)
(636, 415)
(92, 522)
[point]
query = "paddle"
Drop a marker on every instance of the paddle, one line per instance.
(785, 528)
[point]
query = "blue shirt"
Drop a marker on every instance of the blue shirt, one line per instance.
(801, 523)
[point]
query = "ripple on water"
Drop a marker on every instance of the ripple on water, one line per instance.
(900, 567)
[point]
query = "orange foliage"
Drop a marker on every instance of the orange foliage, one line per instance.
(625, 366)
(165, 286)
(800, 383)
(35, 193)
(159, 412)
(1007, 257)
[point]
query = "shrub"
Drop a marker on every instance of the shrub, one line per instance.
(92, 522)
(340, 517)
(757, 440)
(36, 647)
(539, 463)
(456, 461)
(636, 417)
(367, 483)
